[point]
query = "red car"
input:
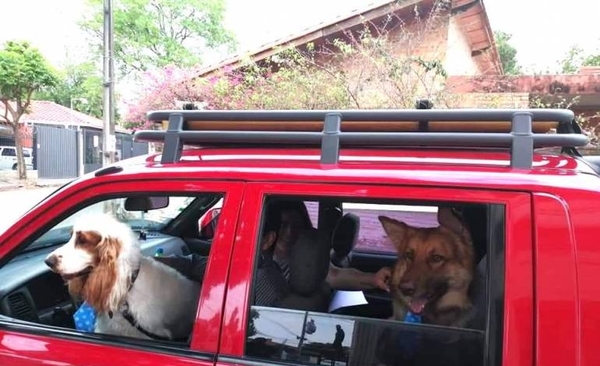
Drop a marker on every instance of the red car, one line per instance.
(532, 213)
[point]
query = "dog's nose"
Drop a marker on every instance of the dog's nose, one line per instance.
(51, 261)
(407, 288)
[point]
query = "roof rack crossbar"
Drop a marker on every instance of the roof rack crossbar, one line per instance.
(521, 140)
(355, 139)
(563, 116)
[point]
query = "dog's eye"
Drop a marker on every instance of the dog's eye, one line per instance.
(436, 258)
(409, 255)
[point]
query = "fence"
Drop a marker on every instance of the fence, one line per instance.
(61, 153)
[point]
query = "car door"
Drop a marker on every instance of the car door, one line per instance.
(299, 334)
(34, 339)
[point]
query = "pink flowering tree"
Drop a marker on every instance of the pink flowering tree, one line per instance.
(162, 89)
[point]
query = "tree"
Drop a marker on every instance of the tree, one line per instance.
(23, 70)
(576, 58)
(162, 89)
(363, 68)
(79, 87)
(507, 53)
(157, 33)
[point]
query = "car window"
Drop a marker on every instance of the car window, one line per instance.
(34, 293)
(304, 318)
(372, 237)
(151, 220)
(8, 152)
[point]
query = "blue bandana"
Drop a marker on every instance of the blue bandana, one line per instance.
(412, 318)
(409, 341)
(85, 318)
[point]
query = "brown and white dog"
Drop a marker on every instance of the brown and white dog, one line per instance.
(133, 295)
(434, 270)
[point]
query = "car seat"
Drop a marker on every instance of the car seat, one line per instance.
(309, 266)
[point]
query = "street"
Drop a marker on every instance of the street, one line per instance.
(16, 203)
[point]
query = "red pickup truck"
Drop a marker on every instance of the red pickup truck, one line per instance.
(531, 213)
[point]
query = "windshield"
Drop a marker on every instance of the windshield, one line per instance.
(152, 220)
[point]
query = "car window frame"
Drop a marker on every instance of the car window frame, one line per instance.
(69, 201)
(517, 303)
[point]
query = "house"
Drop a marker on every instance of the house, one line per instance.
(462, 39)
(579, 92)
(68, 143)
(47, 113)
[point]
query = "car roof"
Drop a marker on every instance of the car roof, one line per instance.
(464, 147)
(487, 169)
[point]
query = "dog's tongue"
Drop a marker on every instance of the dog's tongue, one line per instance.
(417, 305)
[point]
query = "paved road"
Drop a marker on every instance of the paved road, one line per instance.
(13, 204)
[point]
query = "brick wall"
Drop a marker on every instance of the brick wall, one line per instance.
(490, 100)
(458, 59)
(434, 39)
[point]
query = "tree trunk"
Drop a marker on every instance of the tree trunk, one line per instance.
(21, 167)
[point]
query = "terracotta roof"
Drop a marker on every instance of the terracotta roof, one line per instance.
(470, 13)
(42, 111)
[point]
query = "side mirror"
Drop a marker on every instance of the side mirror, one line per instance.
(208, 223)
(143, 203)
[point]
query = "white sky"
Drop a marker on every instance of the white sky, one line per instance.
(542, 33)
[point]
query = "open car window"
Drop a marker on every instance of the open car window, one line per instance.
(307, 316)
(153, 220)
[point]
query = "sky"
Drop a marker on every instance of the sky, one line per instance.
(542, 33)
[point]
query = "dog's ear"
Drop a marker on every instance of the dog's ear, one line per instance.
(108, 249)
(448, 219)
(99, 288)
(397, 231)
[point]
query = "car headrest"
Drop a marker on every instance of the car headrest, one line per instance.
(345, 235)
(309, 262)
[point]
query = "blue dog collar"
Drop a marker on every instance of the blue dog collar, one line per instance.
(412, 318)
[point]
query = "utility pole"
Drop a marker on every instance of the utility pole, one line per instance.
(109, 140)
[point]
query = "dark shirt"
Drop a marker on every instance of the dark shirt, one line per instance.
(270, 285)
(192, 265)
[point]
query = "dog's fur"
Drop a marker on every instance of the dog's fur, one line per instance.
(98, 262)
(434, 270)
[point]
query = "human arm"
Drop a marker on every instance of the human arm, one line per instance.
(192, 266)
(351, 279)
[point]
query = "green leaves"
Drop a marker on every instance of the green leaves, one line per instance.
(79, 86)
(23, 70)
(157, 33)
(507, 53)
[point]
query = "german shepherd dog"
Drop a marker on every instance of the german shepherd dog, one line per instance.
(434, 270)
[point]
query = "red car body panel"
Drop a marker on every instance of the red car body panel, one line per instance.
(552, 294)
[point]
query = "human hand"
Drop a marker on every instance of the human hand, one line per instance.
(381, 279)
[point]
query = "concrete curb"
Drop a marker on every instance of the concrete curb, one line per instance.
(10, 187)
(20, 187)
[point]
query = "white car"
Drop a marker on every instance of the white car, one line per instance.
(8, 157)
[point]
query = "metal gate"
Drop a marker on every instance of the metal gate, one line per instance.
(56, 152)
(92, 150)
(129, 149)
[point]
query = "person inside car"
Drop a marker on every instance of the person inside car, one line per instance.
(294, 219)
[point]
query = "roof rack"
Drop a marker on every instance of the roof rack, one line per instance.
(521, 130)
